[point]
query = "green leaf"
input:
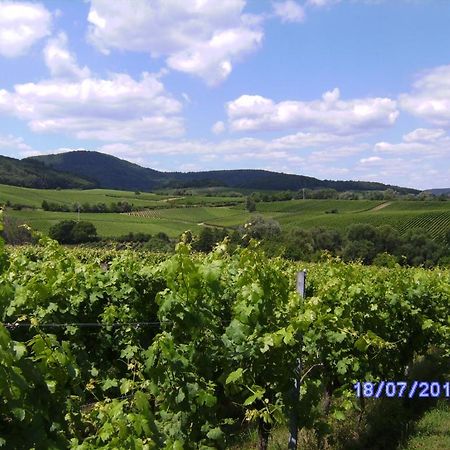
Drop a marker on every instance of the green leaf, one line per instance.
(180, 396)
(109, 383)
(234, 376)
(339, 415)
(126, 386)
(20, 349)
(51, 385)
(215, 433)
(361, 344)
(341, 367)
(19, 413)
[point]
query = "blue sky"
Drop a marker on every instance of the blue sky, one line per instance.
(336, 89)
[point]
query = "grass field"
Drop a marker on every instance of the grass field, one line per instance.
(107, 224)
(35, 197)
(194, 211)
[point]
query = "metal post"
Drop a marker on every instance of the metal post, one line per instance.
(293, 420)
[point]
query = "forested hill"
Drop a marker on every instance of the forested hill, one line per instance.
(109, 172)
(106, 171)
(32, 173)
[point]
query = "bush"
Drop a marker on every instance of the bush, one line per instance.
(71, 232)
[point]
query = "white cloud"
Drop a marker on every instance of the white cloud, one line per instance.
(424, 135)
(62, 63)
(371, 160)
(289, 11)
(202, 38)
(426, 143)
(329, 114)
(430, 97)
(103, 109)
(322, 3)
(308, 140)
(218, 127)
(10, 142)
(21, 25)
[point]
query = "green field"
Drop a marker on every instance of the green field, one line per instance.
(175, 214)
(35, 197)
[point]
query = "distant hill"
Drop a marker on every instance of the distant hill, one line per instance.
(441, 191)
(31, 173)
(109, 172)
(105, 171)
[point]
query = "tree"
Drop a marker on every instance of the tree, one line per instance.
(419, 249)
(326, 239)
(62, 231)
(250, 205)
(299, 244)
(363, 250)
(261, 228)
(84, 232)
(208, 238)
(71, 232)
(389, 239)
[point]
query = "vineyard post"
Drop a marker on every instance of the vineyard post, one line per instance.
(293, 419)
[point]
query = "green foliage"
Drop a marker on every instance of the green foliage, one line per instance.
(71, 232)
(250, 205)
(181, 351)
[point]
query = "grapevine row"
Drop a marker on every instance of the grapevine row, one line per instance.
(231, 327)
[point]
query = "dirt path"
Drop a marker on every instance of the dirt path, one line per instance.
(383, 205)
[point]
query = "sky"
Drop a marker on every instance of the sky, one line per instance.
(334, 89)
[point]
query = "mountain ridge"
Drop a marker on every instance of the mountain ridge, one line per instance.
(109, 172)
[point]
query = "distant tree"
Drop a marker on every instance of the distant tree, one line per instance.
(62, 231)
(362, 250)
(389, 194)
(45, 205)
(326, 239)
(419, 249)
(261, 228)
(389, 239)
(71, 232)
(250, 205)
(299, 244)
(84, 232)
(362, 231)
(208, 238)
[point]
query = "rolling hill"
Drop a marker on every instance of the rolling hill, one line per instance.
(32, 173)
(109, 172)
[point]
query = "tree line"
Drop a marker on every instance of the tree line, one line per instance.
(382, 245)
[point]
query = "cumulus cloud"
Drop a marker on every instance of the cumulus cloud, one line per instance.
(203, 38)
(62, 63)
(289, 11)
(218, 127)
(425, 142)
(10, 142)
(371, 160)
(430, 97)
(21, 25)
(424, 135)
(329, 114)
(104, 109)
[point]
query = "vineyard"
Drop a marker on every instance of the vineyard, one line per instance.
(130, 350)
(437, 224)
